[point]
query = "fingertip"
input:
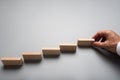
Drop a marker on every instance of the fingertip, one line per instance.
(94, 43)
(98, 44)
(93, 37)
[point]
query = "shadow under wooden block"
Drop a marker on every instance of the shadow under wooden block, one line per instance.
(32, 57)
(12, 62)
(85, 42)
(51, 52)
(51, 56)
(32, 61)
(68, 48)
(12, 66)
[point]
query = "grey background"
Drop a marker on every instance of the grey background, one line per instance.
(29, 25)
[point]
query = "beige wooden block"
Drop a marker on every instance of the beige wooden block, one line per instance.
(51, 52)
(12, 61)
(32, 56)
(67, 47)
(85, 42)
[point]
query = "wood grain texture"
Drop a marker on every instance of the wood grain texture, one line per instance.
(67, 47)
(32, 56)
(51, 52)
(10, 61)
(85, 42)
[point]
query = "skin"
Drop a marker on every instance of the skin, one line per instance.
(106, 39)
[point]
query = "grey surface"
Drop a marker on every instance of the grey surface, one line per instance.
(29, 25)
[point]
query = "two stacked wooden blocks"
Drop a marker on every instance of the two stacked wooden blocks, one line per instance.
(47, 52)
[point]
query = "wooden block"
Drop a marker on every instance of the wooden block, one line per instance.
(51, 52)
(32, 56)
(67, 47)
(85, 42)
(12, 61)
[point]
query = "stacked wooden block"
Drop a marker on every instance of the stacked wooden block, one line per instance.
(47, 52)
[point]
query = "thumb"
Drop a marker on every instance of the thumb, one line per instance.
(99, 44)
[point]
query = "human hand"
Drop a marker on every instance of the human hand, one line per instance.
(106, 39)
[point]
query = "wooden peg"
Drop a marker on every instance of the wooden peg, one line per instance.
(68, 47)
(51, 52)
(12, 61)
(85, 42)
(32, 56)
